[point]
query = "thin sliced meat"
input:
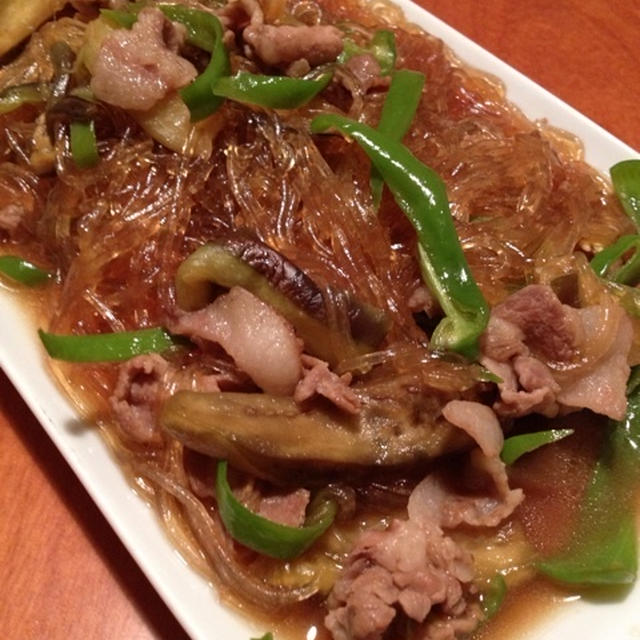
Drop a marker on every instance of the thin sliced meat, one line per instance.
(284, 44)
(260, 341)
(527, 386)
(143, 383)
(553, 358)
(502, 340)
(136, 68)
(366, 69)
(317, 378)
(433, 501)
(550, 328)
(603, 388)
(135, 398)
(238, 14)
(479, 421)
(407, 568)
(288, 509)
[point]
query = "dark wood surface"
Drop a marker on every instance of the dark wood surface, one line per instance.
(65, 575)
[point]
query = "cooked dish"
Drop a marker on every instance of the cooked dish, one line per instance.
(356, 327)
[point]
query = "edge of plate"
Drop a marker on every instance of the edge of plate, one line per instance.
(191, 598)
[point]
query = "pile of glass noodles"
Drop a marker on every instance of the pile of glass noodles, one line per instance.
(356, 327)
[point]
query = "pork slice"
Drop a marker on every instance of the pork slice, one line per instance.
(136, 68)
(451, 627)
(479, 421)
(550, 328)
(238, 14)
(136, 396)
(260, 341)
(284, 44)
(288, 509)
(502, 340)
(532, 331)
(416, 570)
(537, 393)
(317, 378)
(143, 383)
(603, 388)
(433, 501)
(366, 70)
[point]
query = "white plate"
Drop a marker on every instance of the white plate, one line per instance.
(190, 597)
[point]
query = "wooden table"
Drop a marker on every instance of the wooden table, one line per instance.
(65, 575)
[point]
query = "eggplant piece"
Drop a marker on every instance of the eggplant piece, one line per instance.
(240, 259)
(272, 438)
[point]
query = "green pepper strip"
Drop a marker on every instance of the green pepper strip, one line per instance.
(602, 262)
(23, 271)
(629, 272)
(84, 146)
(106, 347)
(274, 92)
(604, 547)
(266, 536)
(266, 636)
(398, 112)
(517, 446)
(492, 595)
(422, 195)
(13, 98)
(625, 177)
(205, 31)
(198, 96)
(382, 47)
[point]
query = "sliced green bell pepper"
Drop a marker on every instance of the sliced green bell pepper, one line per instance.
(274, 92)
(23, 271)
(84, 146)
(398, 112)
(266, 536)
(106, 347)
(422, 195)
(517, 446)
(603, 550)
(625, 177)
(14, 97)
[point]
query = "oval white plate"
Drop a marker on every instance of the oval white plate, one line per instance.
(191, 598)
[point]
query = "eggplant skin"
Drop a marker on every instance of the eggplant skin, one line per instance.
(238, 258)
(273, 438)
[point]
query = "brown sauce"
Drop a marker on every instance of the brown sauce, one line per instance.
(516, 193)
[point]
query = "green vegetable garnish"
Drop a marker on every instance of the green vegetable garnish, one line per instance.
(84, 146)
(23, 271)
(625, 177)
(398, 112)
(274, 92)
(422, 195)
(204, 30)
(263, 535)
(603, 261)
(266, 636)
(106, 347)
(603, 550)
(517, 446)
(14, 97)
(492, 595)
